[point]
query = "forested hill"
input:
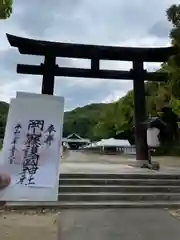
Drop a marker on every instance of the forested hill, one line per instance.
(108, 120)
(82, 120)
(3, 115)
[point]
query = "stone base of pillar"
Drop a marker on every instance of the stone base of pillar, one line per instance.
(137, 163)
(145, 164)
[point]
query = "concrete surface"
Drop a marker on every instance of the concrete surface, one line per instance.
(28, 225)
(79, 162)
(77, 167)
(125, 224)
(98, 168)
(89, 157)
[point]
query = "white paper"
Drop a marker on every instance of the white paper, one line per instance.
(21, 111)
(42, 96)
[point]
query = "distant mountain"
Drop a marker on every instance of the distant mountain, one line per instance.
(82, 120)
(4, 107)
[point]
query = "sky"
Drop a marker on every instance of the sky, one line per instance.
(135, 23)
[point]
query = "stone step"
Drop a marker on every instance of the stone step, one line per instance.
(115, 188)
(102, 181)
(50, 206)
(93, 197)
(150, 175)
(115, 204)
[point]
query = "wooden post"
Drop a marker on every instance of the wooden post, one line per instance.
(140, 111)
(48, 75)
(95, 64)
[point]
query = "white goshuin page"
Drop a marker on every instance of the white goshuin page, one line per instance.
(31, 149)
(47, 97)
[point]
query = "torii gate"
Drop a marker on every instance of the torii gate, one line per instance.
(49, 69)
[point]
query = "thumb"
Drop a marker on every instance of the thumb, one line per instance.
(4, 180)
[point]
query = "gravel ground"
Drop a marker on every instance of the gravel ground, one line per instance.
(28, 225)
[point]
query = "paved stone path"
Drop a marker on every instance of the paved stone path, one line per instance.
(77, 161)
(117, 224)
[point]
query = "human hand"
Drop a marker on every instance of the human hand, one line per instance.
(4, 180)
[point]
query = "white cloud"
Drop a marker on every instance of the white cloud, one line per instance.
(115, 95)
(7, 89)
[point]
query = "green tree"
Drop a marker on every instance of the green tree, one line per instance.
(83, 120)
(5, 8)
(173, 65)
(3, 116)
(125, 113)
(105, 128)
(171, 119)
(173, 15)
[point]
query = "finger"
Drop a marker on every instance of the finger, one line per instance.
(4, 180)
(2, 203)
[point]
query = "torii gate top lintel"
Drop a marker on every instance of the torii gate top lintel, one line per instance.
(59, 49)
